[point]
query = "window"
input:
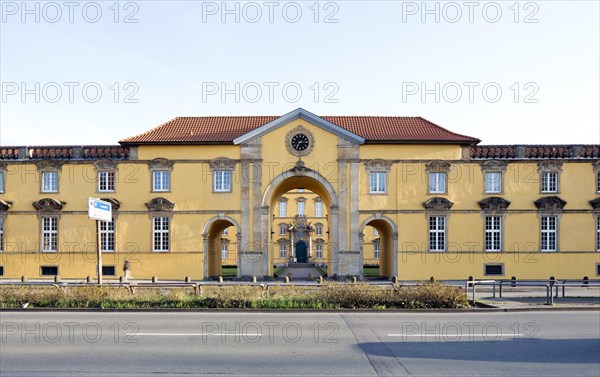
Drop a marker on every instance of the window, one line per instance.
(301, 208)
(597, 233)
(49, 270)
(493, 182)
(300, 190)
(161, 234)
(375, 232)
(493, 232)
(319, 250)
(597, 183)
(49, 234)
(319, 230)
(494, 269)
(2, 182)
(437, 233)
(2, 235)
(318, 208)
(437, 183)
(106, 181)
(376, 250)
(226, 231)
(282, 230)
(50, 181)
(282, 208)
(107, 235)
(161, 180)
(1, 270)
(282, 250)
(109, 270)
(223, 250)
(548, 233)
(377, 182)
(549, 182)
(222, 181)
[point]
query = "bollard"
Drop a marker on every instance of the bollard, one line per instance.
(394, 279)
(57, 279)
(586, 280)
(154, 279)
(254, 279)
(354, 279)
(121, 279)
(188, 279)
(432, 279)
(88, 279)
(286, 280)
(320, 279)
(220, 279)
(513, 281)
(24, 279)
(470, 278)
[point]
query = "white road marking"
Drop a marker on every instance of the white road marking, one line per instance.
(454, 335)
(189, 334)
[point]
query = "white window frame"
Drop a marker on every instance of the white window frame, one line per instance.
(493, 182)
(437, 233)
(318, 208)
(161, 227)
(226, 231)
(301, 208)
(549, 182)
(222, 181)
(319, 250)
(377, 182)
(2, 176)
(549, 233)
(437, 182)
(224, 250)
(282, 230)
(598, 182)
(106, 181)
(50, 181)
(375, 232)
(282, 250)
(161, 180)
(598, 233)
(1, 234)
(319, 230)
(282, 208)
(376, 250)
(493, 233)
(107, 236)
(49, 236)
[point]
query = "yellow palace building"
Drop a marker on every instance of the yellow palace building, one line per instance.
(198, 193)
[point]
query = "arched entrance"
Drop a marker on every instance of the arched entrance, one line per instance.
(388, 243)
(213, 240)
(301, 252)
(304, 178)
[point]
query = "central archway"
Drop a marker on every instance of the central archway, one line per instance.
(300, 177)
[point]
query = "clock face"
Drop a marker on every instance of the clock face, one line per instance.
(300, 142)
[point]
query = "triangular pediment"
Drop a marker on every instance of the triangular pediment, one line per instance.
(299, 113)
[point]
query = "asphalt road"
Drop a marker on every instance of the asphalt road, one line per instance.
(295, 343)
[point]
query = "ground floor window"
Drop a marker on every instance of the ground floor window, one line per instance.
(437, 233)
(282, 250)
(376, 250)
(549, 226)
(49, 234)
(160, 238)
(319, 250)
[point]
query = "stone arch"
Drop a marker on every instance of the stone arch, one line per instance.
(211, 240)
(299, 177)
(388, 235)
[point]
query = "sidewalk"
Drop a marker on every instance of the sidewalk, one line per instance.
(531, 298)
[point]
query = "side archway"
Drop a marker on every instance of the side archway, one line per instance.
(388, 233)
(211, 239)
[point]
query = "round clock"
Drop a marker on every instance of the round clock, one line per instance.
(299, 141)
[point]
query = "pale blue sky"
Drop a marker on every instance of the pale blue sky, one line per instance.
(377, 58)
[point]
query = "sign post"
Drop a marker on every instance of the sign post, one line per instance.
(100, 211)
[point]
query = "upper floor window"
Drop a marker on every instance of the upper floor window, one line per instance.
(282, 208)
(282, 230)
(222, 181)
(50, 181)
(598, 233)
(1, 182)
(319, 230)
(493, 233)
(49, 234)
(548, 233)
(377, 182)
(598, 182)
(437, 233)
(376, 250)
(2, 234)
(160, 234)
(301, 208)
(224, 250)
(282, 250)
(107, 235)
(318, 208)
(437, 183)
(493, 182)
(549, 182)
(106, 181)
(161, 180)
(226, 231)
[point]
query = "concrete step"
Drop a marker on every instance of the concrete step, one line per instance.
(301, 265)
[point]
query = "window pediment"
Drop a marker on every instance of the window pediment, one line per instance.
(222, 163)
(48, 205)
(595, 203)
(5, 206)
(115, 204)
(437, 166)
(49, 165)
(494, 166)
(438, 203)
(549, 166)
(550, 204)
(494, 203)
(160, 164)
(105, 165)
(160, 205)
(378, 165)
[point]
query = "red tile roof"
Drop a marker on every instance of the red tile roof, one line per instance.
(224, 129)
(65, 152)
(535, 151)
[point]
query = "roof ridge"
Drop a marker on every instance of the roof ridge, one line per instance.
(447, 130)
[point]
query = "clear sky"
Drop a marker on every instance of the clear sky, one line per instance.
(84, 72)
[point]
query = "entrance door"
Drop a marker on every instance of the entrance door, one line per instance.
(301, 252)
